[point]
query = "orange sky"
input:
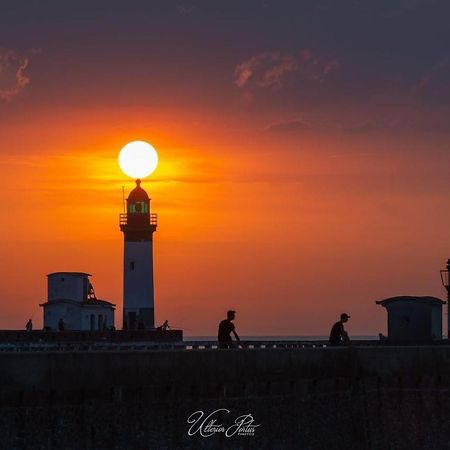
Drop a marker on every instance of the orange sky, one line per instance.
(304, 156)
(288, 231)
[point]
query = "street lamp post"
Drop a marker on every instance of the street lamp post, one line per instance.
(445, 278)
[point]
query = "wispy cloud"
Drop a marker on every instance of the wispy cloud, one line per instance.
(397, 120)
(423, 123)
(13, 76)
(271, 69)
(185, 9)
(267, 69)
(289, 125)
(400, 8)
(436, 76)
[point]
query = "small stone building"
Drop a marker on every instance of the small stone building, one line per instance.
(71, 301)
(413, 318)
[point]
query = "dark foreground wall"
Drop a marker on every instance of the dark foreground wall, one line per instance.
(330, 398)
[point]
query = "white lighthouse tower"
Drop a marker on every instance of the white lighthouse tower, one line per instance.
(138, 225)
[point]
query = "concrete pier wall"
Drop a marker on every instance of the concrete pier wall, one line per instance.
(343, 398)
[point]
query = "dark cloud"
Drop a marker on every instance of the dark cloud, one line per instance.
(290, 56)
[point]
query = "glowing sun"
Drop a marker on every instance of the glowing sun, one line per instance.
(138, 159)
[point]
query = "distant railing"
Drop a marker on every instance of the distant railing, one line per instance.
(123, 219)
(41, 337)
(149, 346)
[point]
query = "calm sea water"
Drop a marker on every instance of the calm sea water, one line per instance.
(279, 338)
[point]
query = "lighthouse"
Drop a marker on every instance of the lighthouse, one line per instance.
(138, 225)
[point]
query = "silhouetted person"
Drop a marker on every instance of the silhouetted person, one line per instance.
(29, 325)
(338, 336)
(165, 326)
(61, 324)
(226, 327)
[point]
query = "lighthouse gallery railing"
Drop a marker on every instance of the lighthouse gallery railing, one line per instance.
(123, 219)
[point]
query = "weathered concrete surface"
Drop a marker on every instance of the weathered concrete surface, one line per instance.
(331, 398)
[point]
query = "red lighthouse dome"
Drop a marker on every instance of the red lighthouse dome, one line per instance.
(138, 202)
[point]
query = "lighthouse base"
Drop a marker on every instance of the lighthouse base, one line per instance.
(138, 318)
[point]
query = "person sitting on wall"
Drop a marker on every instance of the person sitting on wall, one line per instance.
(226, 327)
(165, 326)
(61, 324)
(29, 325)
(338, 336)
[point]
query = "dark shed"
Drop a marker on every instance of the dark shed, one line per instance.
(413, 318)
